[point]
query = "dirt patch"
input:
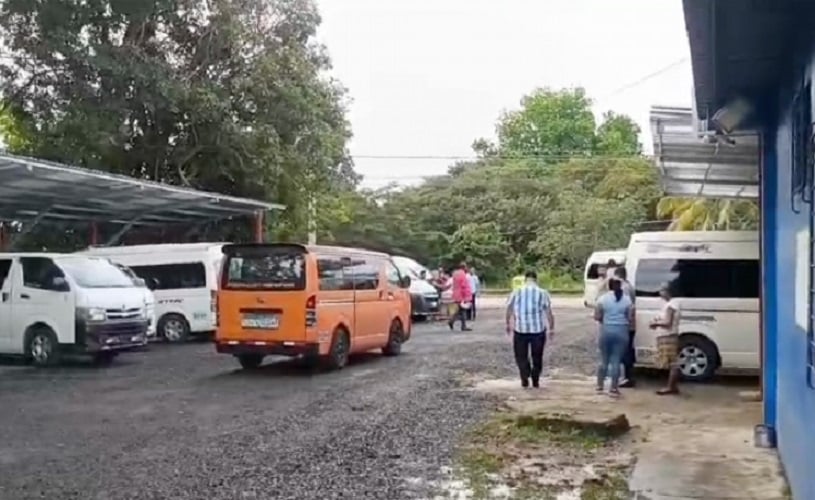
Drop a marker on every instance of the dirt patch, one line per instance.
(544, 456)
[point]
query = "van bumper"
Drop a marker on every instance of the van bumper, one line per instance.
(422, 305)
(243, 347)
(110, 336)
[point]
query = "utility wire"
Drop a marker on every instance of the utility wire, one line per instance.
(640, 81)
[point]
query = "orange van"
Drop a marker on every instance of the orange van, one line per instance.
(323, 303)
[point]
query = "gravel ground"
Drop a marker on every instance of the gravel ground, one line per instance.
(180, 422)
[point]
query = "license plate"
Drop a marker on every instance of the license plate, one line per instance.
(260, 321)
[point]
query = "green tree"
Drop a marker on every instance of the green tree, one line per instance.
(705, 214)
(229, 95)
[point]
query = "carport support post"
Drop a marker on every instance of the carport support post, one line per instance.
(94, 236)
(259, 227)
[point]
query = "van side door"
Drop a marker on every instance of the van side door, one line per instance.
(369, 292)
(36, 299)
(7, 345)
(398, 297)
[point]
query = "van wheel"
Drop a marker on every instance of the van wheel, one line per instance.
(698, 358)
(42, 347)
(250, 361)
(174, 328)
(395, 338)
(340, 350)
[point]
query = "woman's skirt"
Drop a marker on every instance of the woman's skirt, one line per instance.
(667, 351)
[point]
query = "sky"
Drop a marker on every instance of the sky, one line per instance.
(427, 77)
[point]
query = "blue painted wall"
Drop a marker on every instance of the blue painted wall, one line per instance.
(790, 403)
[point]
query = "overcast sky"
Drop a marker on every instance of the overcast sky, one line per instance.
(429, 76)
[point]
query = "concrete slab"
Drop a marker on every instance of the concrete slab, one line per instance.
(697, 446)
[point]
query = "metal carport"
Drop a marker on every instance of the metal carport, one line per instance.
(34, 192)
(693, 163)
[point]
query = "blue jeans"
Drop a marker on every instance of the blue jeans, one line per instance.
(613, 345)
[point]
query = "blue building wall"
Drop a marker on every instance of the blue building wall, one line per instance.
(789, 401)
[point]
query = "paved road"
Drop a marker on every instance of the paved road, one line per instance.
(180, 422)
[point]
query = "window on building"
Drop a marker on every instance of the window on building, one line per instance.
(173, 276)
(699, 278)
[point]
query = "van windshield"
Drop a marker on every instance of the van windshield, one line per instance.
(95, 273)
(266, 268)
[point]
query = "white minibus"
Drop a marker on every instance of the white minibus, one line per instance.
(715, 277)
(54, 304)
(183, 278)
(591, 276)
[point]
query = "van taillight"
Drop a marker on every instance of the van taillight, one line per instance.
(311, 311)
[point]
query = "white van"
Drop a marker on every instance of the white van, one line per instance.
(149, 299)
(591, 276)
(53, 304)
(424, 297)
(715, 276)
(183, 278)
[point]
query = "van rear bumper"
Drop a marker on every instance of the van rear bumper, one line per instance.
(239, 347)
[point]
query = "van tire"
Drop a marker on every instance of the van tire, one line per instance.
(396, 336)
(42, 347)
(173, 328)
(701, 358)
(340, 350)
(250, 361)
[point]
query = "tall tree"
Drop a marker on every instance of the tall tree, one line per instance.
(224, 95)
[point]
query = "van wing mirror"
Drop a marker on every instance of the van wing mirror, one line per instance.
(140, 282)
(404, 282)
(60, 284)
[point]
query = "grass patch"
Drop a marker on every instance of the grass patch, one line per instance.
(518, 451)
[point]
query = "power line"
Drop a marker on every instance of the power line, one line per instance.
(644, 79)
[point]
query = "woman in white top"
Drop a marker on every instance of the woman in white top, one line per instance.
(667, 327)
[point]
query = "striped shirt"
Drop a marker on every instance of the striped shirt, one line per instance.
(529, 305)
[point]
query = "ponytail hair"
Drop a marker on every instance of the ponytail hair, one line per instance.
(616, 286)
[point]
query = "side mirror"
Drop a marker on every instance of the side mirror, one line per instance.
(140, 282)
(152, 283)
(60, 284)
(405, 282)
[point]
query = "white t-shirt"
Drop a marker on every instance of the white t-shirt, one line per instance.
(673, 329)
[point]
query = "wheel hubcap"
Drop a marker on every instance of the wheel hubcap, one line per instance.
(693, 361)
(41, 348)
(173, 330)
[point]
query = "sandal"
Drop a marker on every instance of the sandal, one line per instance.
(667, 392)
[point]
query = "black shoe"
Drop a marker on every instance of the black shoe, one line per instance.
(536, 383)
(525, 383)
(628, 384)
(450, 325)
(466, 329)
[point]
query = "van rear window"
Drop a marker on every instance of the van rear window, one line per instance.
(266, 269)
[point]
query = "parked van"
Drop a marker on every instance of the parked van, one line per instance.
(53, 304)
(149, 299)
(425, 300)
(716, 278)
(323, 303)
(591, 276)
(183, 278)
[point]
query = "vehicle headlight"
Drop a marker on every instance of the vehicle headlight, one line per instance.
(94, 314)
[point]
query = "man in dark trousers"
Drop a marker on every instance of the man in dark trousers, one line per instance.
(529, 321)
(630, 356)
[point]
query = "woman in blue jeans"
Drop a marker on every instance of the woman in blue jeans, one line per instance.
(615, 313)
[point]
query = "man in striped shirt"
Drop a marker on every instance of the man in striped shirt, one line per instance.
(530, 320)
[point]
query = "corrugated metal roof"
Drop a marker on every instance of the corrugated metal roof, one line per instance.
(697, 165)
(48, 191)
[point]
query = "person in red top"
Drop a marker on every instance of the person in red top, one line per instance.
(462, 297)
